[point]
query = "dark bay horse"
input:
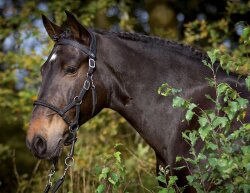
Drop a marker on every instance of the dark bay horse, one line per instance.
(129, 68)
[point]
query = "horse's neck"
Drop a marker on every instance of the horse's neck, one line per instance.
(133, 74)
(133, 71)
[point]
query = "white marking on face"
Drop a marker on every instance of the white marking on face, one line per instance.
(53, 57)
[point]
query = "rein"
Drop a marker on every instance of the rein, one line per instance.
(76, 102)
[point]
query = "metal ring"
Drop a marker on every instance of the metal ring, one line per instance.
(51, 174)
(92, 81)
(76, 100)
(73, 130)
(91, 63)
(86, 85)
(69, 161)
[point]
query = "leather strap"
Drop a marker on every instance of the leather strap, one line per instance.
(76, 45)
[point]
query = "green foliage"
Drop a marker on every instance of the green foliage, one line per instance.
(216, 33)
(166, 90)
(171, 184)
(112, 175)
(222, 164)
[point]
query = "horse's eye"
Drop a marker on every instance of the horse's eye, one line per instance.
(70, 69)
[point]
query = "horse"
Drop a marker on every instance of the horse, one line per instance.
(123, 71)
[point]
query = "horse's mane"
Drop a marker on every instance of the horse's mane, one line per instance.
(153, 40)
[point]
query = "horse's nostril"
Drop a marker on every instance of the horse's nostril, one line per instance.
(39, 144)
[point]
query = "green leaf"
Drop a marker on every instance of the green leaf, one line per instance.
(211, 116)
(114, 177)
(213, 161)
(229, 188)
(234, 106)
(246, 32)
(100, 188)
(172, 180)
(190, 179)
(205, 63)
(192, 137)
(245, 188)
(203, 121)
(104, 173)
(220, 121)
(170, 190)
(238, 179)
(192, 106)
(248, 83)
(117, 156)
(165, 90)
(221, 88)
(201, 156)
(178, 102)
(211, 146)
(242, 103)
(178, 158)
(189, 115)
(229, 113)
(176, 91)
(163, 190)
(161, 178)
(213, 55)
(204, 131)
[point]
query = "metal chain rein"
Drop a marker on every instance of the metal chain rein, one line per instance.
(69, 161)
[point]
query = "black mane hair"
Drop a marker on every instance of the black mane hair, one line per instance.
(176, 46)
(173, 45)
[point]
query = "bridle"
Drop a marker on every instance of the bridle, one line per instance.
(76, 102)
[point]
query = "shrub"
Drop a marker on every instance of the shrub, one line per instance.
(226, 152)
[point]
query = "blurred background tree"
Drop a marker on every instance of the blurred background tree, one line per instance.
(24, 46)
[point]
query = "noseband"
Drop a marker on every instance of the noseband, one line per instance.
(76, 102)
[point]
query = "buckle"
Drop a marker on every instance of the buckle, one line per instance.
(86, 85)
(91, 63)
(76, 99)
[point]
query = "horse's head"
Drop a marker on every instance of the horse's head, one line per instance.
(66, 75)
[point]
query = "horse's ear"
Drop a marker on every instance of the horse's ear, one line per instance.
(52, 29)
(78, 31)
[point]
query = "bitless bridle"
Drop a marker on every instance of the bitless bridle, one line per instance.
(76, 102)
